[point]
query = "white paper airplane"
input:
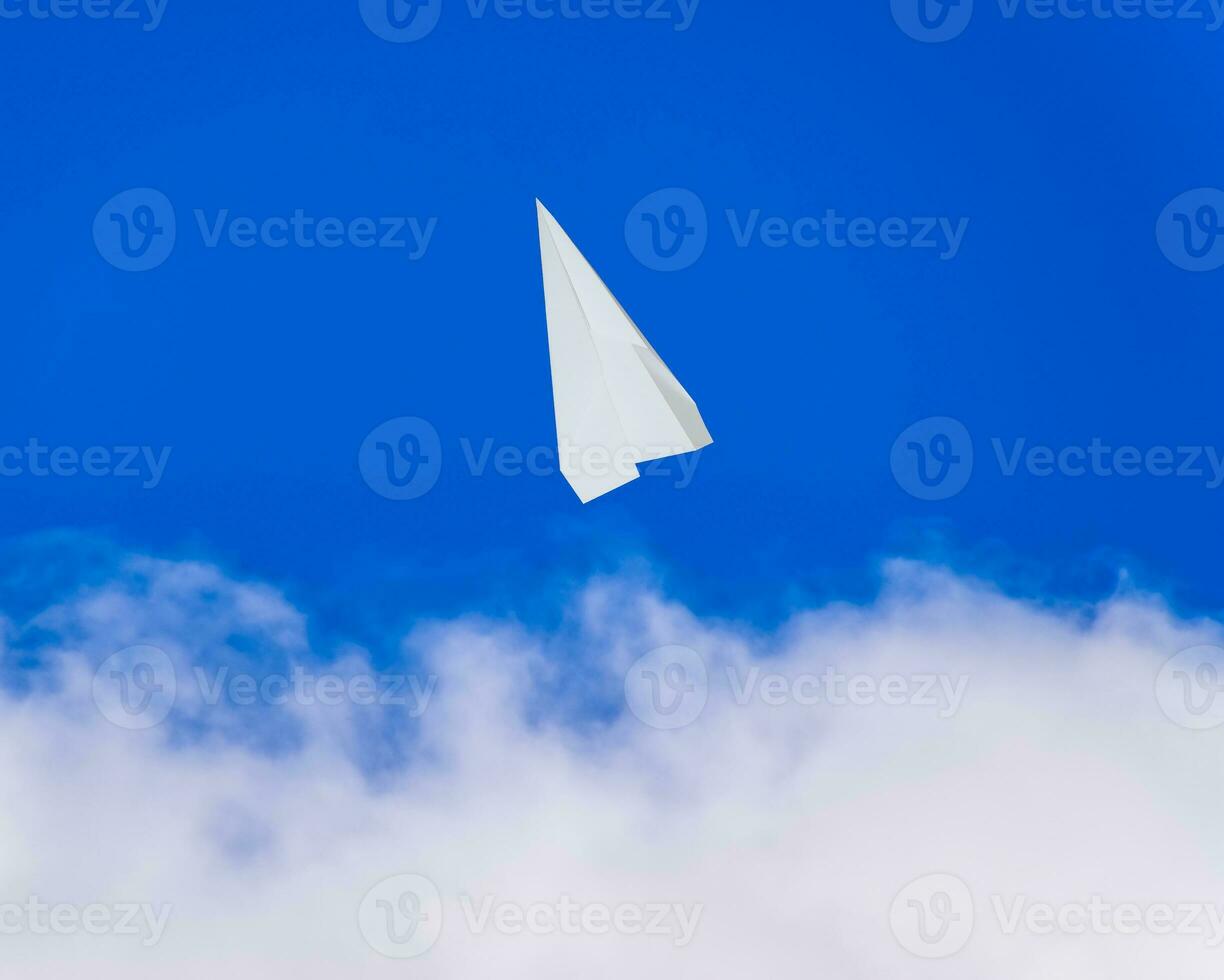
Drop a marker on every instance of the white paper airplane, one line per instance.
(616, 402)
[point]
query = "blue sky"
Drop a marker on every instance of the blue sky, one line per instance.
(1054, 146)
(943, 277)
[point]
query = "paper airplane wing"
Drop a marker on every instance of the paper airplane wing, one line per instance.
(615, 401)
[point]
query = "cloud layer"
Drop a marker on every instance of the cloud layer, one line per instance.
(944, 783)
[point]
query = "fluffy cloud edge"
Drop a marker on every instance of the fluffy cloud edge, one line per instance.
(846, 792)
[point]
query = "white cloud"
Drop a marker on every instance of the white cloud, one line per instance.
(775, 834)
